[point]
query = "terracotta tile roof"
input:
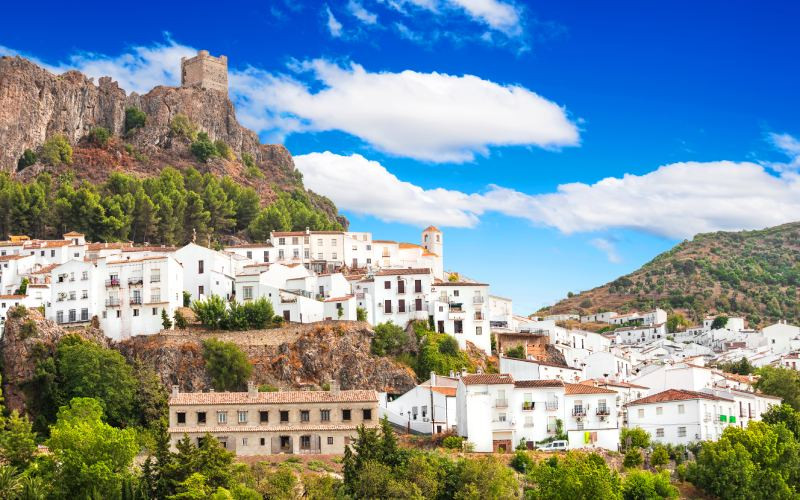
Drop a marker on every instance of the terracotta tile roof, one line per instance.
(289, 233)
(251, 245)
(399, 272)
(4, 258)
(429, 254)
(432, 228)
(586, 389)
(12, 297)
(94, 247)
(38, 285)
(280, 397)
(487, 379)
(744, 379)
(613, 383)
(538, 383)
(149, 249)
(232, 428)
(409, 245)
(339, 299)
(447, 391)
(45, 269)
(327, 232)
(74, 233)
(460, 283)
(47, 243)
(676, 395)
(384, 241)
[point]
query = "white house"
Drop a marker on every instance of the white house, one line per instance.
(13, 268)
(779, 336)
(77, 292)
(591, 416)
(399, 295)
(483, 411)
(682, 376)
(429, 407)
(206, 272)
(530, 369)
(640, 334)
(605, 364)
(501, 312)
(459, 309)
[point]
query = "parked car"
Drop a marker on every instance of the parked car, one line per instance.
(554, 446)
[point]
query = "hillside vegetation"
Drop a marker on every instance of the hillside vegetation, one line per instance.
(754, 274)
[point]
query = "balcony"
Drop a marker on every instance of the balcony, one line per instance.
(502, 424)
(478, 299)
(136, 301)
(528, 424)
(156, 299)
(528, 406)
(135, 280)
(112, 302)
(501, 403)
(551, 405)
(579, 411)
(112, 282)
(603, 411)
(155, 279)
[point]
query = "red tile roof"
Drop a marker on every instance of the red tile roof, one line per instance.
(432, 228)
(289, 233)
(447, 391)
(12, 297)
(339, 299)
(232, 428)
(487, 379)
(251, 245)
(4, 258)
(398, 272)
(676, 395)
(280, 397)
(613, 383)
(538, 383)
(586, 389)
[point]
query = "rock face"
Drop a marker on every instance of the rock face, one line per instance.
(28, 335)
(294, 357)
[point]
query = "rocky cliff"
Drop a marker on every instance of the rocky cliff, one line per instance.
(36, 104)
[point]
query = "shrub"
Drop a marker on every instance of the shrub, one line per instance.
(522, 462)
(99, 136)
(181, 126)
(576, 475)
(28, 329)
(635, 437)
(586, 303)
(660, 456)
(187, 299)
(254, 173)
(226, 364)
(134, 118)
(448, 346)
(646, 485)
(202, 148)
(389, 339)
(165, 321)
(56, 150)
(180, 320)
(27, 159)
(223, 150)
(453, 442)
(517, 352)
(361, 314)
(633, 458)
(19, 311)
(267, 388)
(210, 312)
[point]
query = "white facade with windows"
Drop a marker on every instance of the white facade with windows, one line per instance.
(76, 292)
(461, 309)
(206, 272)
(400, 296)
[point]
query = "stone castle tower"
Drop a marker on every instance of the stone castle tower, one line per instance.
(205, 71)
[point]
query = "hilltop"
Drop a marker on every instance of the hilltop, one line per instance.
(754, 274)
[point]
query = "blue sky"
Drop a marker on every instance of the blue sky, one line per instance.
(558, 145)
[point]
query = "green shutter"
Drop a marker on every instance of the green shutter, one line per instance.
(723, 418)
(732, 419)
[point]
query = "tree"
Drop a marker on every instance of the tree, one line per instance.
(388, 339)
(781, 382)
(784, 414)
(633, 458)
(645, 485)
(88, 454)
(719, 322)
(202, 148)
(361, 314)
(226, 364)
(635, 437)
(17, 441)
(165, 321)
(27, 159)
(180, 320)
(99, 136)
(676, 322)
(522, 462)
(23, 287)
(741, 367)
(210, 312)
(134, 118)
(56, 150)
(517, 352)
(659, 456)
(574, 476)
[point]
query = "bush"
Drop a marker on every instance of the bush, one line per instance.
(56, 150)
(453, 442)
(254, 173)
(659, 456)
(449, 346)
(517, 352)
(268, 388)
(27, 159)
(576, 475)
(28, 329)
(181, 126)
(389, 339)
(361, 314)
(226, 364)
(522, 462)
(645, 485)
(210, 312)
(638, 437)
(19, 311)
(134, 118)
(223, 150)
(165, 321)
(187, 299)
(202, 148)
(99, 136)
(180, 320)
(633, 458)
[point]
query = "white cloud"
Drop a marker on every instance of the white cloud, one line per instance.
(788, 145)
(607, 247)
(359, 12)
(427, 116)
(334, 26)
(501, 16)
(675, 201)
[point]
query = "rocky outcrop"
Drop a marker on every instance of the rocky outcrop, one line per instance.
(29, 336)
(295, 357)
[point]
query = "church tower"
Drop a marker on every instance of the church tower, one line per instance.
(433, 243)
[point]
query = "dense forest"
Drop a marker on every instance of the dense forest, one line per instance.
(170, 208)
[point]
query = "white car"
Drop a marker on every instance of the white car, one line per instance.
(554, 446)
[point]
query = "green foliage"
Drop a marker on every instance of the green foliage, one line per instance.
(633, 458)
(453, 442)
(761, 461)
(323, 487)
(210, 312)
(389, 339)
(659, 456)
(17, 441)
(781, 382)
(134, 118)
(271, 388)
(56, 150)
(645, 485)
(248, 161)
(741, 367)
(575, 476)
(361, 314)
(87, 453)
(202, 148)
(517, 352)
(292, 211)
(586, 303)
(786, 415)
(223, 150)
(522, 462)
(719, 322)
(99, 136)
(19, 311)
(166, 322)
(639, 438)
(213, 313)
(27, 159)
(182, 126)
(179, 320)
(23, 287)
(187, 299)
(676, 322)
(226, 364)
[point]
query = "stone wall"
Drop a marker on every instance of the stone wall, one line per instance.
(205, 71)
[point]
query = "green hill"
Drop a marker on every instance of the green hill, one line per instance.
(754, 274)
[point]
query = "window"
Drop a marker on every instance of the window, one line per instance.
(367, 414)
(659, 410)
(222, 417)
(119, 313)
(387, 285)
(387, 307)
(458, 326)
(325, 415)
(284, 415)
(242, 417)
(84, 294)
(305, 442)
(306, 253)
(333, 256)
(295, 240)
(181, 417)
(280, 255)
(660, 432)
(296, 253)
(369, 261)
(455, 293)
(333, 241)
(135, 312)
(401, 306)
(478, 330)
(201, 417)
(244, 441)
(263, 416)
(262, 441)
(247, 292)
(304, 416)
(73, 316)
(681, 431)
(681, 409)
(155, 311)
(417, 304)
(200, 267)
(266, 256)
(417, 286)
(330, 439)
(84, 314)
(345, 414)
(72, 295)
(281, 241)
(641, 413)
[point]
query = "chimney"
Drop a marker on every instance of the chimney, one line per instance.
(334, 386)
(463, 372)
(479, 371)
(433, 378)
(452, 374)
(175, 389)
(251, 388)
